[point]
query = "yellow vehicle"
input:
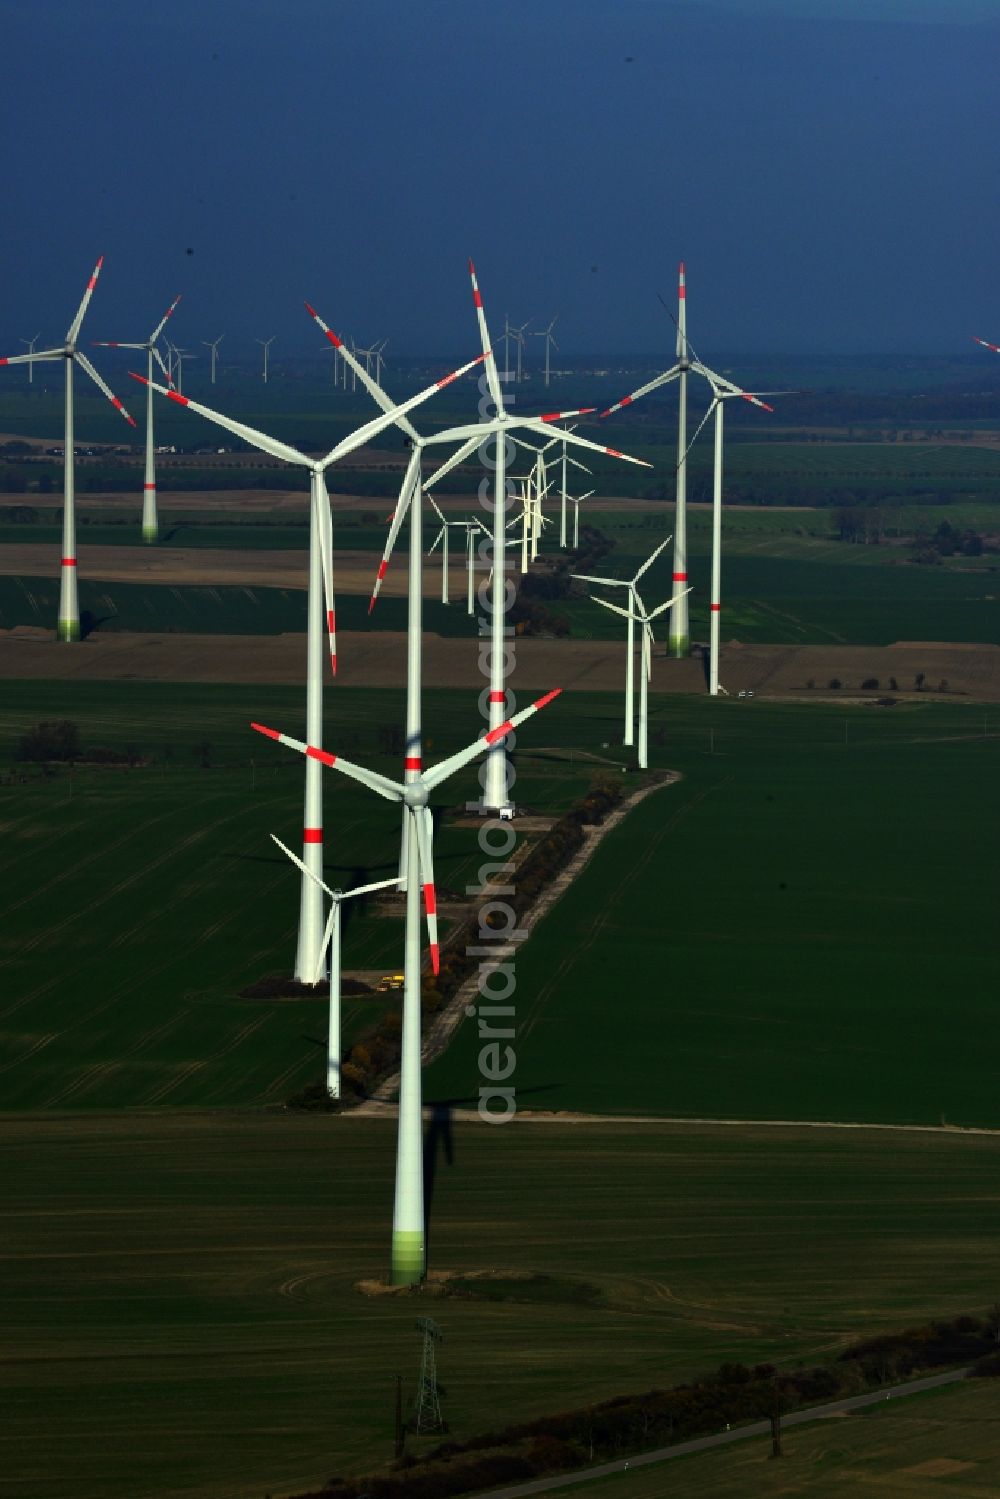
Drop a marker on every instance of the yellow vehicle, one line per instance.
(389, 981)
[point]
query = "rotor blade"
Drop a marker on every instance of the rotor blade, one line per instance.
(492, 378)
(584, 442)
(719, 382)
(644, 390)
(372, 386)
(74, 327)
(668, 605)
(249, 434)
(446, 768)
(423, 826)
(324, 527)
(163, 321)
(651, 559)
(387, 419)
(434, 543)
(381, 785)
(31, 358)
(456, 458)
(367, 889)
(577, 464)
(106, 389)
(298, 862)
(410, 480)
(616, 609)
(994, 347)
(113, 343)
(437, 510)
(612, 582)
(159, 359)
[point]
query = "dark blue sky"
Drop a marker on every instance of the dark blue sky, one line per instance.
(827, 170)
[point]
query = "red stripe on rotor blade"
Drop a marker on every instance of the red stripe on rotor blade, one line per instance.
(413, 762)
(68, 562)
(498, 733)
(680, 577)
(263, 729)
(383, 568)
(92, 282)
(435, 958)
(312, 835)
(323, 756)
(547, 698)
(430, 900)
(614, 452)
(7, 361)
(476, 297)
(181, 400)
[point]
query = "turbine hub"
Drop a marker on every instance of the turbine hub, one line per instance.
(415, 795)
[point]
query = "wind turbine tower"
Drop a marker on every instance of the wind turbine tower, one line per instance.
(265, 344)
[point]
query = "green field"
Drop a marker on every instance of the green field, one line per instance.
(945, 1441)
(794, 930)
(797, 930)
(181, 1323)
(141, 901)
(200, 610)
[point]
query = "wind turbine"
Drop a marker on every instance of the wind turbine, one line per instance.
(495, 794)
(577, 501)
(379, 361)
(722, 391)
(408, 1225)
(442, 537)
(634, 603)
(213, 344)
(179, 357)
(550, 342)
(29, 344)
(331, 944)
(265, 344)
(320, 582)
(679, 641)
(517, 334)
(150, 524)
(636, 614)
(68, 623)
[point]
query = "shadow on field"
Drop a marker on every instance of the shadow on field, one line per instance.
(439, 1141)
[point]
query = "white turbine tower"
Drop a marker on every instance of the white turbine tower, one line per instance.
(265, 344)
(213, 344)
(517, 334)
(320, 582)
(29, 344)
(331, 945)
(408, 1224)
(636, 614)
(635, 603)
(68, 623)
(150, 523)
(550, 343)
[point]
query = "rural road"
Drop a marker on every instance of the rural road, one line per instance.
(723, 1438)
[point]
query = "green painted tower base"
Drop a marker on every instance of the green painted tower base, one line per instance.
(68, 629)
(679, 647)
(407, 1258)
(150, 534)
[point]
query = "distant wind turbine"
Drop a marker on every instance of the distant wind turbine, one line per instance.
(265, 344)
(68, 623)
(213, 344)
(550, 343)
(150, 523)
